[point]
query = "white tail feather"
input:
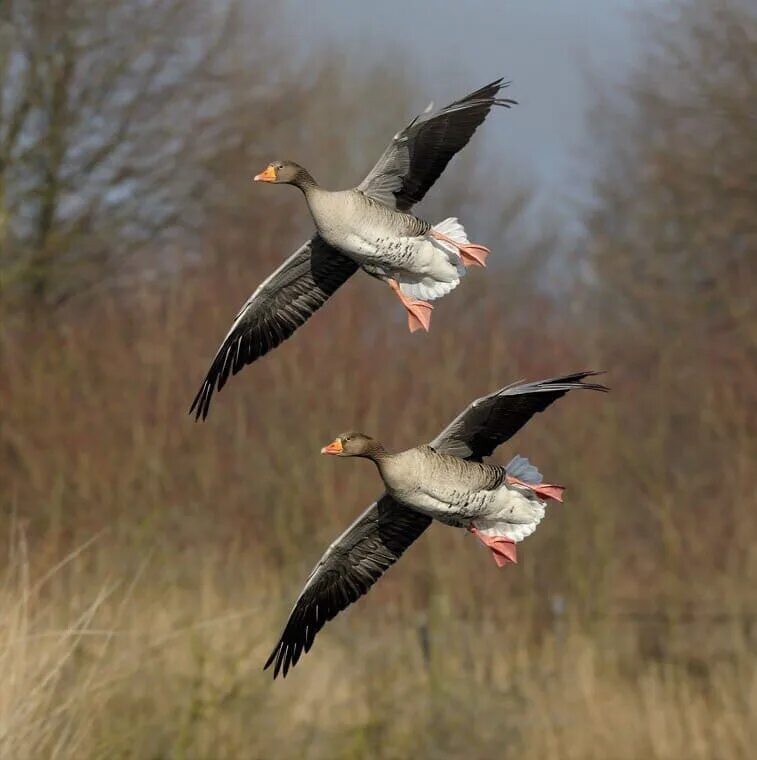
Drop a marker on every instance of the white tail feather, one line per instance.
(514, 531)
(428, 287)
(452, 228)
(517, 517)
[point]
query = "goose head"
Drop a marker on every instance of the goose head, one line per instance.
(353, 445)
(284, 173)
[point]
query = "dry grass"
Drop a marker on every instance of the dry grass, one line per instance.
(102, 667)
(623, 632)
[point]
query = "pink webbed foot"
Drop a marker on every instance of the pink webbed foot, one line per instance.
(502, 549)
(418, 312)
(418, 315)
(472, 254)
(545, 490)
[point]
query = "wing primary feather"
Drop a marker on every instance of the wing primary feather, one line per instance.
(419, 153)
(279, 306)
(491, 420)
(348, 569)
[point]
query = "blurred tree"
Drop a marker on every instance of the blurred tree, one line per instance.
(113, 114)
(672, 247)
(674, 236)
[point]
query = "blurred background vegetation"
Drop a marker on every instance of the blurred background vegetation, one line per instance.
(149, 562)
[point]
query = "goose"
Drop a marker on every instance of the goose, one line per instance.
(445, 480)
(368, 227)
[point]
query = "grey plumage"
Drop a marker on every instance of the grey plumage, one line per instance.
(406, 170)
(376, 540)
(337, 214)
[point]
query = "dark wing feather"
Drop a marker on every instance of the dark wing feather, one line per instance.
(491, 420)
(350, 566)
(419, 153)
(281, 304)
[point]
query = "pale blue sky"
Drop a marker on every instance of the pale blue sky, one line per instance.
(553, 50)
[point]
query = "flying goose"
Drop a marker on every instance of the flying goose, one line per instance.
(445, 480)
(369, 227)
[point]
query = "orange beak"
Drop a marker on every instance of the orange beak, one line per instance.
(335, 447)
(267, 175)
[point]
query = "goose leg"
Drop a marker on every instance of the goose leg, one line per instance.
(472, 254)
(545, 490)
(418, 312)
(502, 549)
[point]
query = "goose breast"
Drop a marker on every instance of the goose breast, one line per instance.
(366, 231)
(444, 487)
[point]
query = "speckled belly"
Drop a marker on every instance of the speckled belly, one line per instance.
(392, 254)
(461, 507)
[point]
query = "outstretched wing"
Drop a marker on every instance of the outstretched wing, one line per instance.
(419, 153)
(281, 304)
(491, 420)
(378, 538)
(350, 566)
